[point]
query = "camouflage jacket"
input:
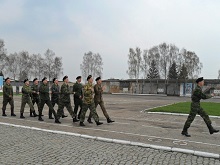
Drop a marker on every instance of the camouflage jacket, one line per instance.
(88, 94)
(55, 89)
(77, 88)
(65, 93)
(26, 92)
(7, 91)
(98, 93)
(44, 92)
(198, 95)
(36, 89)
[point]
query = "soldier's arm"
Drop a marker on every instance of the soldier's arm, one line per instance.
(87, 90)
(42, 90)
(97, 90)
(200, 94)
(53, 89)
(5, 91)
(65, 90)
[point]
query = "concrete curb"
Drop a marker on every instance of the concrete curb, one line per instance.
(123, 142)
(164, 95)
(178, 114)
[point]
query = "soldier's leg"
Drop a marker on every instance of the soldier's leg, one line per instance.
(33, 102)
(83, 113)
(190, 119)
(90, 114)
(93, 112)
(31, 106)
(70, 110)
(80, 105)
(50, 111)
(5, 102)
(23, 103)
(11, 102)
(60, 109)
(104, 110)
(76, 103)
(40, 109)
(49, 104)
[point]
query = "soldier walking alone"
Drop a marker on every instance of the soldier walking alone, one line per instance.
(8, 97)
(88, 102)
(26, 99)
(98, 99)
(197, 109)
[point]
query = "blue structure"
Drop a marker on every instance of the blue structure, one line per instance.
(1, 81)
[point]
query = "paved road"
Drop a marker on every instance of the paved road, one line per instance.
(133, 125)
(25, 146)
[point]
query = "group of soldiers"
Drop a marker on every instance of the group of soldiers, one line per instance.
(85, 97)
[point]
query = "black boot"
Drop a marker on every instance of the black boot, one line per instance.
(22, 116)
(89, 121)
(81, 124)
(12, 112)
(185, 132)
(3, 113)
(34, 114)
(63, 116)
(57, 121)
(39, 116)
(212, 130)
(109, 120)
(99, 123)
(75, 119)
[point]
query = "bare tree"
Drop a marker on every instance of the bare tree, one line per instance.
(91, 65)
(49, 64)
(38, 66)
(3, 56)
(12, 65)
(134, 64)
(58, 67)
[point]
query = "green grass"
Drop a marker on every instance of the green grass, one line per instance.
(1, 93)
(184, 107)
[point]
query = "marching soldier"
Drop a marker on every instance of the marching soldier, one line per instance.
(98, 99)
(8, 97)
(88, 102)
(45, 99)
(55, 96)
(35, 95)
(78, 96)
(26, 99)
(197, 109)
(65, 99)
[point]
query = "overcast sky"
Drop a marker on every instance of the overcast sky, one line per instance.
(110, 27)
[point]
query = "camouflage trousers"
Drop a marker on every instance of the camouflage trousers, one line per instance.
(24, 102)
(49, 104)
(5, 102)
(77, 103)
(196, 109)
(37, 101)
(101, 103)
(92, 109)
(68, 107)
(55, 101)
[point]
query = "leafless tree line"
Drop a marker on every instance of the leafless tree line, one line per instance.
(91, 65)
(165, 61)
(23, 65)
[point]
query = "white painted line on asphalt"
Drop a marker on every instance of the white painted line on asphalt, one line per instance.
(181, 143)
(197, 153)
(151, 126)
(157, 107)
(125, 133)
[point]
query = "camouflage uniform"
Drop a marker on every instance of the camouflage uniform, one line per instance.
(77, 88)
(196, 108)
(7, 91)
(45, 99)
(55, 96)
(88, 102)
(98, 99)
(65, 101)
(35, 97)
(26, 99)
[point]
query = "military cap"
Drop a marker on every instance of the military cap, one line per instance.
(98, 78)
(25, 80)
(54, 79)
(35, 79)
(7, 79)
(44, 79)
(90, 76)
(199, 79)
(65, 77)
(78, 77)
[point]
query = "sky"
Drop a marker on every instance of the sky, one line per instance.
(110, 27)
